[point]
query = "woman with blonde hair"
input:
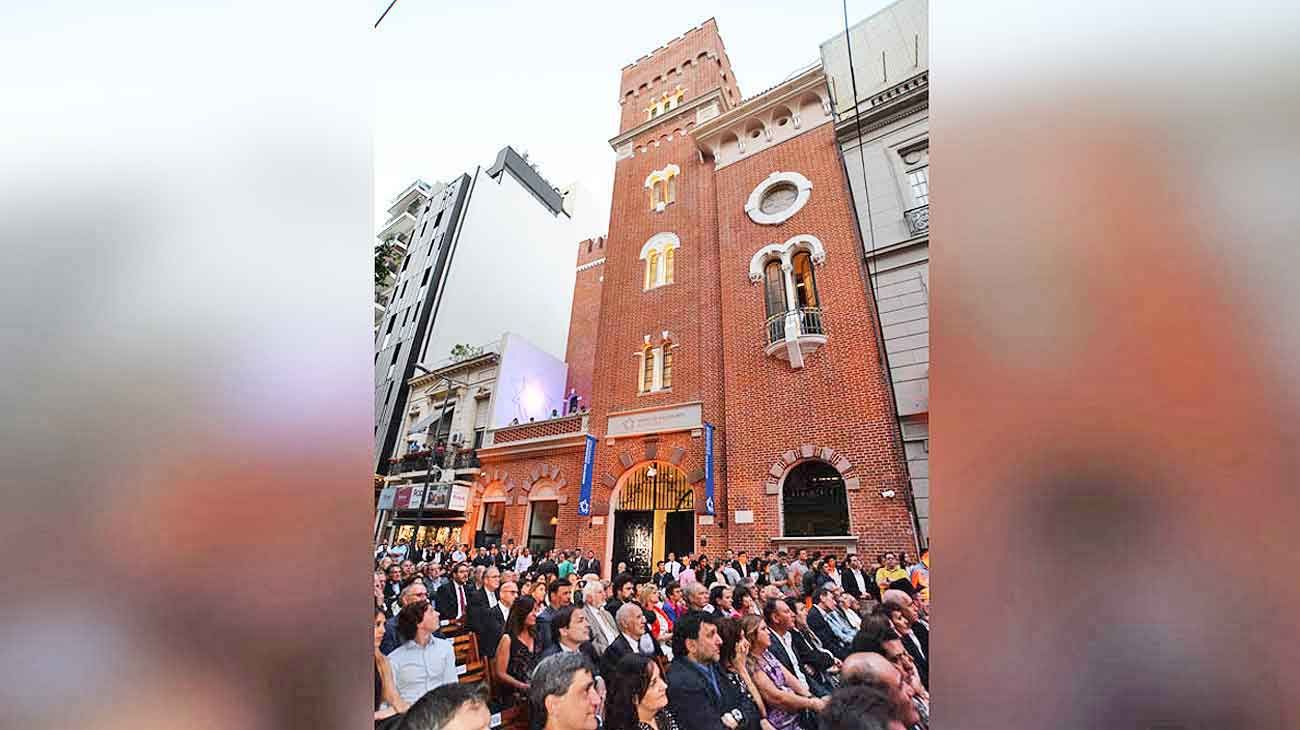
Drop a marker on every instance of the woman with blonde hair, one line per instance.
(656, 621)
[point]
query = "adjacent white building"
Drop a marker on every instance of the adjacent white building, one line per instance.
(884, 135)
(488, 253)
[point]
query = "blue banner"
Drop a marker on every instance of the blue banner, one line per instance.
(708, 468)
(588, 464)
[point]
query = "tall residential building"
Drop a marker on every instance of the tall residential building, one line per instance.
(884, 134)
(738, 396)
(490, 252)
(396, 235)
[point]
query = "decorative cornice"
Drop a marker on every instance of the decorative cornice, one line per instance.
(900, 101)
(592, 264)
(800, 84)
(691, 105)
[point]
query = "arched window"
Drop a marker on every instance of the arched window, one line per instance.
(814, 501)
(652, 269)
(647, 369)
(662, 185)
(774, 288)
(805, 285)
(655, 371)
(660, 255)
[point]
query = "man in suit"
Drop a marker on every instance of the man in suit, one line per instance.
(588, 564)
(482, 601)
(491, 621)
(855, 579)
(452, 597)
(817, 662)
(698, 694)
(632, 638)
(602, 626)
(393, 583)
(573, 634)
(830, 628)
(910, 641)
(780, 618)
(558, 594)
(919, 626)
(623, 587)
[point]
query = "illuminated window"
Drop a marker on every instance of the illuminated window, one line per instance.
(656, 367)
(660, 255)
(805, 285)
(662, 185)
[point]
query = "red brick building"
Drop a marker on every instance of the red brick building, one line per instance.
(729, 297)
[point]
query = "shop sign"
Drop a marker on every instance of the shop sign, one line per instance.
(387, 497)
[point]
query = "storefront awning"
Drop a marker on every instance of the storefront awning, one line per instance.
(421, 427)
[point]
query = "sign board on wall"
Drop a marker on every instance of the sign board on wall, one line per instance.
(676, 418)
(744, 516)
(387, 497)
(459, 498)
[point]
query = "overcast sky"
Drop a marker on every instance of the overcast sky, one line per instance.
(457, 81)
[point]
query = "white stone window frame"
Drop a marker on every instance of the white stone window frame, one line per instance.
(660, 243)
(656, 353)
(802, 184)
(785, 252)
(671, 171)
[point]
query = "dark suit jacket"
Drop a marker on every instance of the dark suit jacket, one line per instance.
(619, 648)
(817, 622)
(923, 634)
(922, 663)
(485, 621)
(850, 583)
(810, 656)
(585, 566)
(691, 698)
(544, 629)
(778, 651)
(585, 648)
(444, 599)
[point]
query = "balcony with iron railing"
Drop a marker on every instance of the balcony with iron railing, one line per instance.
(918, 219)
(418, 462)
(792, 335)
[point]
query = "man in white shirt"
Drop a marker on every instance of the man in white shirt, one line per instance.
(855, 581)
(780, 620)
(424, 661)
(458, 555)
(672, 566)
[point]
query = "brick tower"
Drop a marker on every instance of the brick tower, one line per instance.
(722, 335)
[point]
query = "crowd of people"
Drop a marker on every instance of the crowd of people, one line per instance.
(778, 642)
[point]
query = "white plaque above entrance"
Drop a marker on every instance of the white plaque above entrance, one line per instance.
(657, 420)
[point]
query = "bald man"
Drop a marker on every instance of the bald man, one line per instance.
(920, 627)
(869, 668)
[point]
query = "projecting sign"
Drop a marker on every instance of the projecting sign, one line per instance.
(588, 464)
(708, 469)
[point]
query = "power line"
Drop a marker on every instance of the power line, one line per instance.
(381, 17)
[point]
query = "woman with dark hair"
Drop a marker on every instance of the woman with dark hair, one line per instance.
(743, 602)
(387, 701)
(782, 693)
(517, 652)
(637, 696)
(674, 607)
(720, 598)
(733, 660)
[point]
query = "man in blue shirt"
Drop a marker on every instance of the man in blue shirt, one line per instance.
(698, 696)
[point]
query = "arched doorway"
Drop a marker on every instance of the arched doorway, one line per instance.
(654, 514)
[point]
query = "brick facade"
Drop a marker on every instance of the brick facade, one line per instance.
(768, 416)
(584, 320)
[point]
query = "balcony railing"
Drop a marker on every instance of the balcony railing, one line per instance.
(420, 461)
(918, 219)
(810, 323)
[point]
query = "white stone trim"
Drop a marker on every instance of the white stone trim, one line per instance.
(660, 242)
(785, 252)
(663, 174)
(800, 182)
